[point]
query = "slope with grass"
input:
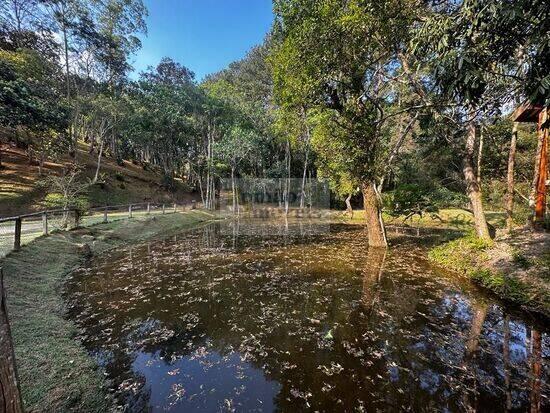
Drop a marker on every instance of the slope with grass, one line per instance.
(121, 184)
(516, 268)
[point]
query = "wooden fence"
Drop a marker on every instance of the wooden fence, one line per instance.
(18, 230)
(10, 396)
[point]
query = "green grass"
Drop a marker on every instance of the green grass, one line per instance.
(453, 218)
(469, 255)
(55, 371)
(508, 288)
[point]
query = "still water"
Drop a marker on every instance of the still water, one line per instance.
(256, 317)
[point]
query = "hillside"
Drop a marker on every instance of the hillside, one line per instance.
(20, 192)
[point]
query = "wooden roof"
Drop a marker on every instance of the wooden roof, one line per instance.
(527, 113)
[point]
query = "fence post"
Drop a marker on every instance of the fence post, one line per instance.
(9, 384)
(175, 207)
(148, 208)
(163, 209)
(17, 235)
(130, 211)
(105, 215)
(45, 223)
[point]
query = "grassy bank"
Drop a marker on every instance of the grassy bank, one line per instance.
(517, 269)
(122, 183)
(55, 372)
(452, 218)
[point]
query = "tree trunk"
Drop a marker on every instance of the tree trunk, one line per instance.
(233, 191)
(373, 215)
(538, 193)
(479, 156)
(208, 170)
(199, 178)
(96, 177)
(536, 372)
(349, 209)
(372, 276)
(10, 397)
(287, 185)
(510, 179)
(473, 188)
(507, 366)
(304, 176)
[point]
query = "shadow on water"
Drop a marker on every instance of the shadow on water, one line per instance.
(257, 316)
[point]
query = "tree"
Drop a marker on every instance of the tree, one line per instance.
(118, 23)
(474, 49)
(345, 59)
(236, 145)
(30, 104)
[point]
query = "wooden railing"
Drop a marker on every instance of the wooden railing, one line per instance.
(16, 229)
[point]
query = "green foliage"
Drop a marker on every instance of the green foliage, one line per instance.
(474, 47)
(327, 60)
(67, 190)
(521, 260)
(56, 200)
(460, 254)
(27, 98)
(469, 255)
(509, 288)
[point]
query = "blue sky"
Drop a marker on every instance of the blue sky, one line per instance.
(204, 35)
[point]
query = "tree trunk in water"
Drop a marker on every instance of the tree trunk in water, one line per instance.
(470, 397)
(507, 366)
(10, 397)
(372, 276)
(349, 209)
(373, 215)
(480, 313)
(536, 372)
(510, 179)
(473, 188)
(96, 177)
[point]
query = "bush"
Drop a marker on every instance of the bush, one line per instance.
(168, 183)
(421, 198)
(57, 201)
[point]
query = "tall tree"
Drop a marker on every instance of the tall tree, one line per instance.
(344, 59)
(473, 47)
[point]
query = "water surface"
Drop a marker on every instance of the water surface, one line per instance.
(265, 318)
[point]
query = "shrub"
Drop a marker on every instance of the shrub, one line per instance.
(57, 201)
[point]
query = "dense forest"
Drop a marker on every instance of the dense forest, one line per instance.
(402, 106)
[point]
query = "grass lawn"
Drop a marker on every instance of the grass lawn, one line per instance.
(453, 218)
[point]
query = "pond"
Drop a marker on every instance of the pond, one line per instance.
(255, 316)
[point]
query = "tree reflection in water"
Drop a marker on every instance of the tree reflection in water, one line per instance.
(260, 317)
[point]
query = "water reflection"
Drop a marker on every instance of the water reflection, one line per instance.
(286, 318)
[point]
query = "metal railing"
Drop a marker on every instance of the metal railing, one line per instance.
(19, 230)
